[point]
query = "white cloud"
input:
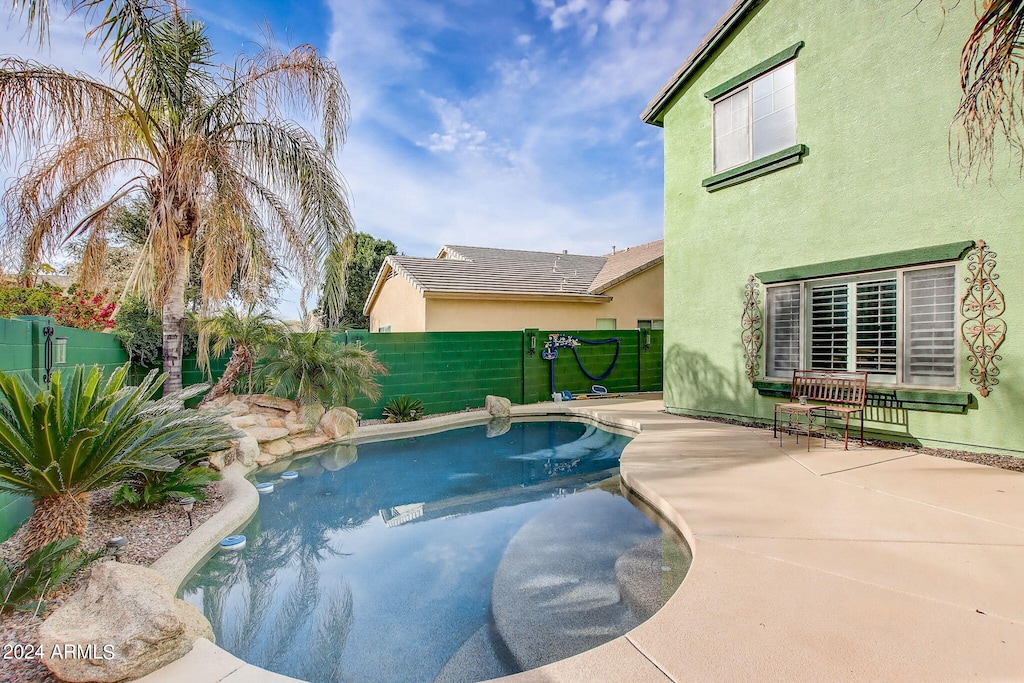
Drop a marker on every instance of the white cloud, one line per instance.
(615, 12)
(457, 134)
(524, 39)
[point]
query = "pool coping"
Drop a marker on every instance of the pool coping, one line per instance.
(872, 558)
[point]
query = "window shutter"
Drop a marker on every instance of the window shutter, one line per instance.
(783, 354)
(930, 319)
(829, 327)
(876, 327)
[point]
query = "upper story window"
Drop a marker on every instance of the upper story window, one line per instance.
(899, 326)
(756, 120)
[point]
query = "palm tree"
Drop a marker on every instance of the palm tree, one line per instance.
(313, 369)
(246, 335)
(221, 171)
(992, 81)
(60, 442)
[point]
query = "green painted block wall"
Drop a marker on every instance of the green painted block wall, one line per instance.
(15, 345)
(877, 89)
(445, 370)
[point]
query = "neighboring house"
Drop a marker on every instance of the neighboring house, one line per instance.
(478, 288)
(809, 144)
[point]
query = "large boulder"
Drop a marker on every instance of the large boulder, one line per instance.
(498, 406)
(277, 448)
(337, 423)
(237, 408)
(264, 434)
(127, 618)
(243, 421)
(267, 401)
(247, 451)
(349, 411)
(304, 443)
(219, 402)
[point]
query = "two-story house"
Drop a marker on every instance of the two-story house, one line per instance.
(814, 219)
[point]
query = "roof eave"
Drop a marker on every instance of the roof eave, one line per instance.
(516, 296)
(732, 18)
(389, 264)
(644, 267)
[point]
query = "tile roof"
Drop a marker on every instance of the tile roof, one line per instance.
(625, 264)
(482, 270)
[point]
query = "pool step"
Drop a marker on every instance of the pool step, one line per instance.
(476, 660)
(555, 591)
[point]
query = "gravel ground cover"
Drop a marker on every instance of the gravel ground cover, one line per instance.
(150, 534)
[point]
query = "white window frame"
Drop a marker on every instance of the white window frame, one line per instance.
(874, 379)
(749, 87)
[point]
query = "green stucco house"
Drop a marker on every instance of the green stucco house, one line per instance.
(814, 220)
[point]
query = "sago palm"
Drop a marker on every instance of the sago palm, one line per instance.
(81, 433)
(246, 334)
(222, 172)
(311, 368)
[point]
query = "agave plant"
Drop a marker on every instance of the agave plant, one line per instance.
(403, 409)
(312, 369)
(81, 433)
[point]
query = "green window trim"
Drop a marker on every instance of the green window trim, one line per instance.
(922, 400)
(755, 71)
(756, 168)
(862, 264)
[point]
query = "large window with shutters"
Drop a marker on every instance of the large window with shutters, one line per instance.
(899, 326)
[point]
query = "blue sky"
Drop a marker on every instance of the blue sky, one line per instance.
(506, 123)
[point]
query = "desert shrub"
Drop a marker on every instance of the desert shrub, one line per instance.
(24, 584)
(403, 409)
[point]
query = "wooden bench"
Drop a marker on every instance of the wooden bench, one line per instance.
(825, 394)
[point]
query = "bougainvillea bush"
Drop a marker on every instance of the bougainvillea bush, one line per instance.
(72, 308)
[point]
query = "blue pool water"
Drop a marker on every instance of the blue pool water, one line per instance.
(449, 557)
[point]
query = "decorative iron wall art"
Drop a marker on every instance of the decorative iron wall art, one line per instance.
(983, 330)
(568, 341)
(752, 328)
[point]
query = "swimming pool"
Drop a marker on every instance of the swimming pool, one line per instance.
(448, 557)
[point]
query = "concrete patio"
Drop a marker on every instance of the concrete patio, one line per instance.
(867, 564)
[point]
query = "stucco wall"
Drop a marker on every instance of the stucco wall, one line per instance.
(641, 297)
(877, 87)
(399, 305)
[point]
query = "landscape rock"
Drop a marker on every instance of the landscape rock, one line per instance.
(237, 408)
(218, 403)
(304, 443)
(336, 423)
(267, 401)
(349, 411)
(222, 459)
(265, 459)
(276, 423)
(296, 427)
(131, 609)
(277, 448)
(243, 421)
(291, 417)
(247, 450)
(334, 459)
(498, 406)
(276, 466)
(266, 412)
(265, 434)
